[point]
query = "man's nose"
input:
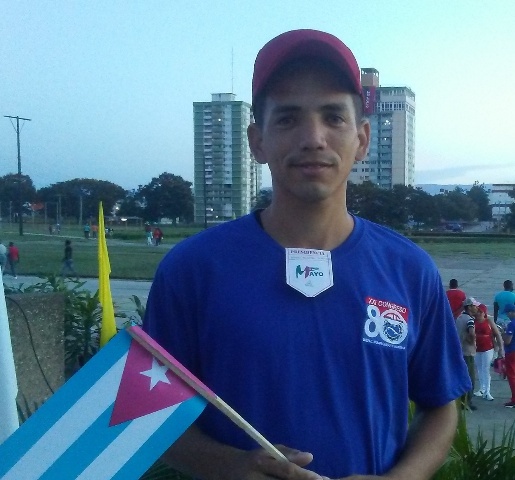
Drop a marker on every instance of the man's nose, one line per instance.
(312, 135)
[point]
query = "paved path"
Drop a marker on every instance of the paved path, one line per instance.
(121, 290)
(481, 278)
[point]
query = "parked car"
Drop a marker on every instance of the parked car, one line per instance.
(454, 227)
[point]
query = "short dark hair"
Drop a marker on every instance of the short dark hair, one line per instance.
(508, 285)
(453, 283)
(292, 68)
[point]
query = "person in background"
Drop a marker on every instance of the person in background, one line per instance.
(502, 299)
(467, 333)
(509, 347)
(487, 334)
(13, 257)
(158, 236)
(148, 233)
(456, 298)
(94, 230)
(87, 229)
(274, 310)
(68, 259)
(3, 256)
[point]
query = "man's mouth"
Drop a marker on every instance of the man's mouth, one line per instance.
(312, 166)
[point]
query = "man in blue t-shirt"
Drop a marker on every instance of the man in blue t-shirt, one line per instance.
(503, 298)
(315, 325)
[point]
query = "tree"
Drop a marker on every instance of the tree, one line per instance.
(167, 196)
(79, 198)
(130, 206)
(263, 199)
(510, 218)
(373, 203)
(10, 186)
(456, 206)
(422, 208)
(479, 196)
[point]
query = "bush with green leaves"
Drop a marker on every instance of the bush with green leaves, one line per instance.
(82, 316)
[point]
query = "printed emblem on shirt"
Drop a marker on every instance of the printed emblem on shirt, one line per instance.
(309, 271)
(386, 323)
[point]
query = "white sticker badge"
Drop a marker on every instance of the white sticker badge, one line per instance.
(309, 271)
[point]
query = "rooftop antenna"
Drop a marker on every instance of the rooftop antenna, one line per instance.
(232, 69)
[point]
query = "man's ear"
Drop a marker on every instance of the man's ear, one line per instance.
(364, 140)
(255, 142)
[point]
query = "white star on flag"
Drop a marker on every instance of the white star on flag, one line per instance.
(156, 374)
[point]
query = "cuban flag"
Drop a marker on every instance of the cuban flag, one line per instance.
(111, 420)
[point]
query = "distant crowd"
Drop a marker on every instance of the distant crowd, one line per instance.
(154, 235)
(486, 340)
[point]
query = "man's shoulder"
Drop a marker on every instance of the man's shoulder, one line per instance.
(464, 318)
(390, 242)
(221, 236)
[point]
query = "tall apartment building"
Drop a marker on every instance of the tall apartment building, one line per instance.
(391, 111)
(226, 176)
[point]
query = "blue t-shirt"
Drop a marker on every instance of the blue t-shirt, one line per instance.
(331, 374)
(510, 330)
(502, 299)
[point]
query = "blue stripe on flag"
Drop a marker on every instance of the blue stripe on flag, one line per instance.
(161, 440)
(87, 447)
(56, 406)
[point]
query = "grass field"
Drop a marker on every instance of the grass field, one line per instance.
(130, 256)
(41, 253)
(492, 249)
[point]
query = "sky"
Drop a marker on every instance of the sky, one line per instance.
(109, 85)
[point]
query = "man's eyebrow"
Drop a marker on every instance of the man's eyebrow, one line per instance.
(280, 109)
(329, 107)
(335, 107)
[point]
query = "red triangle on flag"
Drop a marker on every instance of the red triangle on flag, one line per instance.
(146, 386)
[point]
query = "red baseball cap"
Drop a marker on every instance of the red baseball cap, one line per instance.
(299, 43)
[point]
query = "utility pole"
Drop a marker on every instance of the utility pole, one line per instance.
(20, 210)
(59, 209)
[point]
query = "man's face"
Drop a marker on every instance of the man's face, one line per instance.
(309, 138)
(472, 310)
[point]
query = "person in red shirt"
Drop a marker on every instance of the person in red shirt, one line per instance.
(486, 332)
(158, 236)
(13, 257)
(456, 298)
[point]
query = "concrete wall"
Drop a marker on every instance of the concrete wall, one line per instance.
(36, 321)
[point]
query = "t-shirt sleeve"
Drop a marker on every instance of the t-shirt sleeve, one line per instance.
(436, 382)
(169, 318)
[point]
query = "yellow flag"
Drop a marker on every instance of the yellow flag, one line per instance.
(108, 329)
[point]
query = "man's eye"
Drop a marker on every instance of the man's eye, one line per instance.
(284, 121)
(335, 119)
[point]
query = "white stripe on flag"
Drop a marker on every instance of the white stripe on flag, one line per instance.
(40, 457)
(121, 450)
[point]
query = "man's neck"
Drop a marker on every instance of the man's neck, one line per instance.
(317, 227)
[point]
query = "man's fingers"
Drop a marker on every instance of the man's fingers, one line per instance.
(295, 456)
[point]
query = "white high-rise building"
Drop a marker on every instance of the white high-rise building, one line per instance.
(227, 178)
(391, 111)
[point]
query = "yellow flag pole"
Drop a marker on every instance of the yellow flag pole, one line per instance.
(108, 328)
